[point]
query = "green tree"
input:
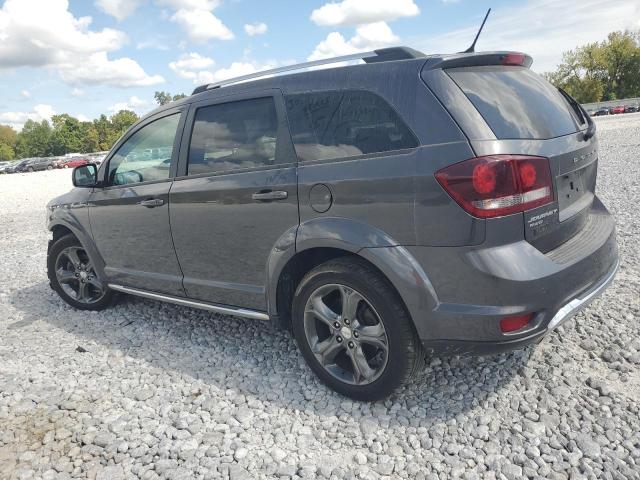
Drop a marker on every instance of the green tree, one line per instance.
(6, 152)
(66, 136)
(120, 122)
(162, 98)
(601, 71)
(8, 135)
(34, 139)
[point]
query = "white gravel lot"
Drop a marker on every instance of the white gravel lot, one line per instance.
(152, 390)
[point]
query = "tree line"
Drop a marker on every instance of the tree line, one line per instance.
(66, 134)
(601, 71)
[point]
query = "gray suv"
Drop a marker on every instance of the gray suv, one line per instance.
(411, 205)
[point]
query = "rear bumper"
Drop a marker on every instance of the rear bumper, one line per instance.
(478, 286)
(453, 347)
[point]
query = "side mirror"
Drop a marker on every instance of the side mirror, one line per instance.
(85, 175)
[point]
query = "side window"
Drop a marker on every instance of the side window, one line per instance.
(146, 155)
(347, 123)
(233, 135)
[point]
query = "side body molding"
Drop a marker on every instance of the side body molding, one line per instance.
(374, 245)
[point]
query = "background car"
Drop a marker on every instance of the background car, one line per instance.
(14, 166)
(630, 108)
(616, 110)
(72, 162)
(35, 164)
(601, 111)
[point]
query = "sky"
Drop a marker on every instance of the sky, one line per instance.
(88, 57)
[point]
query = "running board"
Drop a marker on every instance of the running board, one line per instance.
(236, 312)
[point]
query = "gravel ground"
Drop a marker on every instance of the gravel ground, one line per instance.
(153, 390)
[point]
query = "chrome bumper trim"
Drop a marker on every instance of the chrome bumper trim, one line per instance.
(580, 302)
(236, 312)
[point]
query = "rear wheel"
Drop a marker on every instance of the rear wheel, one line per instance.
(49, 167)
(30, 169)
(72, 275)
(353, 330)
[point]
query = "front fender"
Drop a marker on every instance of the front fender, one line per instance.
(68, 216)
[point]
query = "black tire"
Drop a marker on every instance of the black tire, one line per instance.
(405, 355)
(49, 167)
(30, 169)
(100, 302)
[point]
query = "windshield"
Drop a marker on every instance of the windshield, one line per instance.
(516, 103)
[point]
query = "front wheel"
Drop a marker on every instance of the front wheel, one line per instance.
(72, 275)
(30, 169)
(354, 331)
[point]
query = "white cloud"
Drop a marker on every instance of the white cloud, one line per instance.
(25, 94)
(257, 28)
(151, 44)
(189, 4)
(119, 9)
(358, 12)
(45, 34)
(83, 118)
(97, 69)
(368, 37)
(237, 69)
(134, 103)
(192, 66)
(201, 25)
(542, 28)
(16, 120)
(191, 61)
(76, 92)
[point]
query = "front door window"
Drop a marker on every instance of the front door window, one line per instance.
(146, 155)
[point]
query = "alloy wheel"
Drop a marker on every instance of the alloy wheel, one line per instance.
(345, 334)
(76, 275)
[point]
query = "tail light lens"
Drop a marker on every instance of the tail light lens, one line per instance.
(511, 324)
(498, 185)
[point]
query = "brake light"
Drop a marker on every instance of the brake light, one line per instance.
(498, 185)
(511, 324)
(513, 59)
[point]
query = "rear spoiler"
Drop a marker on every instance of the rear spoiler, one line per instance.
(478, 59)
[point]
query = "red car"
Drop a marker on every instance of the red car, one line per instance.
(618, 109)
(72, 162)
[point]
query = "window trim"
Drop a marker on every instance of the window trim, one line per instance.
(362, 155)
(284, 149)
(103, 173)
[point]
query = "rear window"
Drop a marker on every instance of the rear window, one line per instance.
(345, 123)
(515, 102)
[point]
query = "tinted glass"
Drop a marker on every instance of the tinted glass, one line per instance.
(234, 135)
(515, 102)
(146, 155)
(344, 124)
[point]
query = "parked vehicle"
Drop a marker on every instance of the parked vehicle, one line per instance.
(72, 162)
(616, 110)
(601, 111)
(35, 164)
(16, 166)
(441, 204)
(630, 108)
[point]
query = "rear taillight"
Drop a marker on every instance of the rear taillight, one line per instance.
(498, 185)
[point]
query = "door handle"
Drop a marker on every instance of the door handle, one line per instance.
(270, 195)
(152, 202)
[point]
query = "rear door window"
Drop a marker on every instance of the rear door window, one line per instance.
(346, 123)
(515, 102)
(234, 135)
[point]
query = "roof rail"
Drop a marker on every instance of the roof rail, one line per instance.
(375, 56)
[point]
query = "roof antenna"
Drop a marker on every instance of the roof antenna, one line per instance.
(471, 49)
